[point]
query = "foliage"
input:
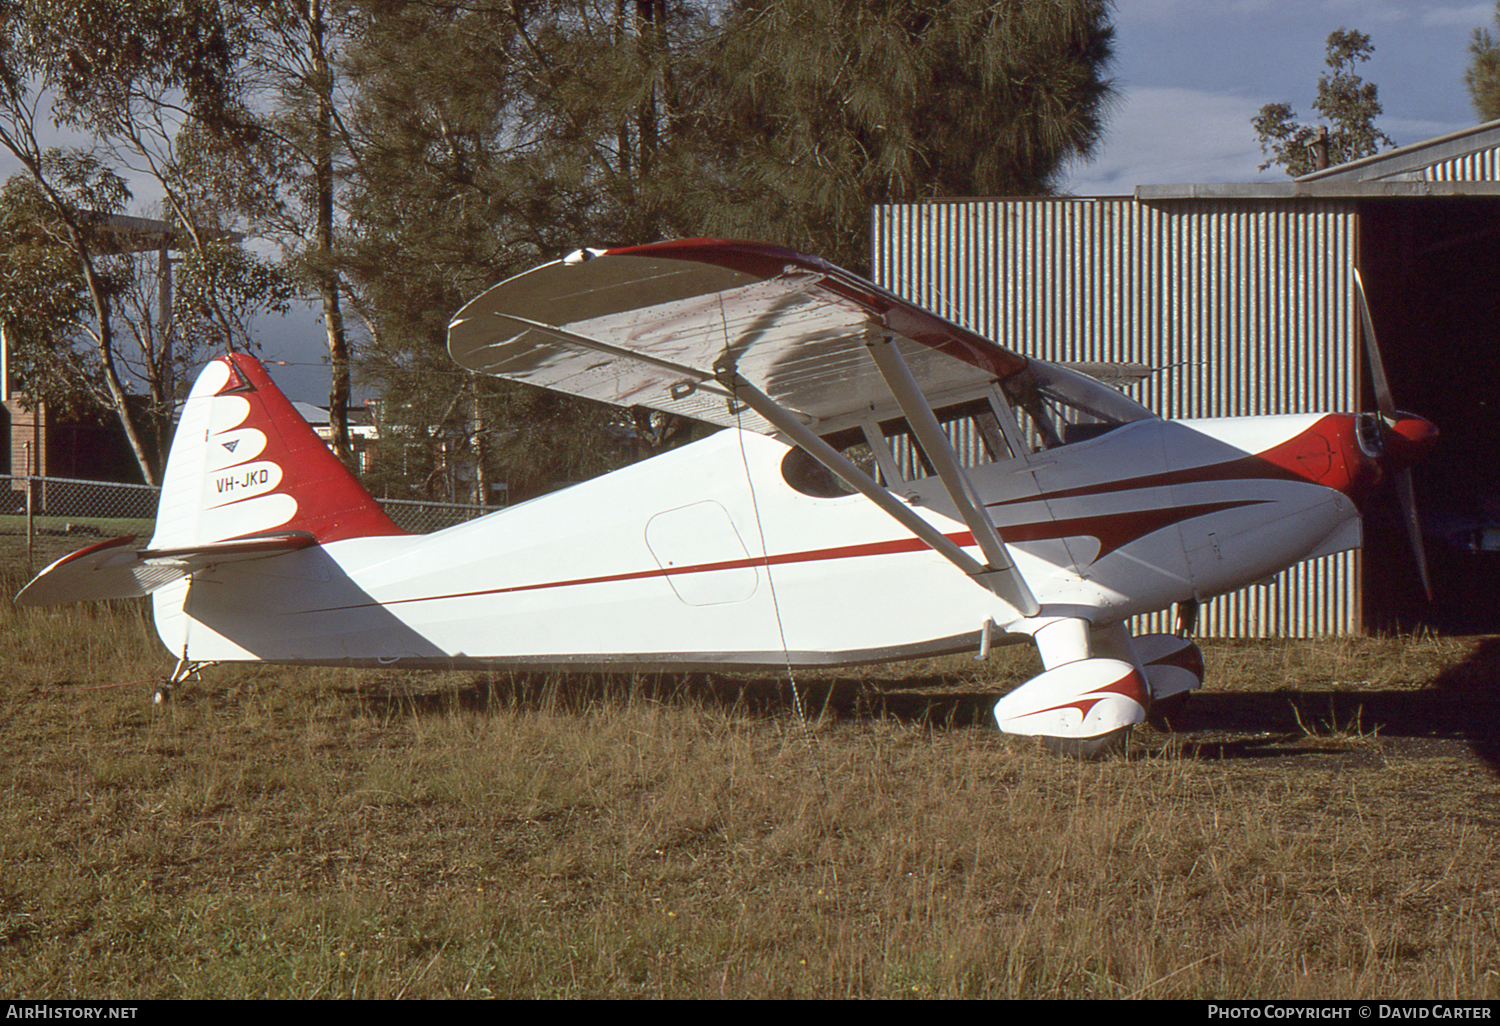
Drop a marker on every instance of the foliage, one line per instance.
(812, 111)
(1348, 104)
(483, 139)
(489, 139)
(407, 156)
(43, 298)
(1482, 77)
(220, 287)
(451, 436)
(54, 336)
(292, 153)
(128, 74)
(113, 63)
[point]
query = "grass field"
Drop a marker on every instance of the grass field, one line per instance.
(55, 537)
(1323, 825)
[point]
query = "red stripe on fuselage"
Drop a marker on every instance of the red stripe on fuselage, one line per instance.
(1318, 454)
(1111, 529)
(1315, 455)
(1250, 468)
(884, 548)
(1114, 530)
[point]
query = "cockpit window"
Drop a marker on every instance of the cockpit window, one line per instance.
(890, 453)
(1051, 405)
(970, 428)
(1056, 406)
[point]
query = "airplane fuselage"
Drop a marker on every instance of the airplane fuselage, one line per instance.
(707, 556)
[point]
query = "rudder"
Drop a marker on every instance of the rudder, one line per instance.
(244, 462)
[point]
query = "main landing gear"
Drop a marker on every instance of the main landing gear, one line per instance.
(1099, 683)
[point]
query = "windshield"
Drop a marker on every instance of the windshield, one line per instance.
(1057, 406)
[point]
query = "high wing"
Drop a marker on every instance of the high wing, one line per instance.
(665, 325)
(754, 336)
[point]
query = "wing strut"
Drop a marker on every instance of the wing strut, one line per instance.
(1004, 581)
(924, 424)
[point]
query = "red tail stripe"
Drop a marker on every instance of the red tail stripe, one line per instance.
(331, 503)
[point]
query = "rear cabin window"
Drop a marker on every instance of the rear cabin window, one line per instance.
(970, 427)
(810, 477)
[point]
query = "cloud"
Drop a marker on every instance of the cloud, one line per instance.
(1462, 16)
(1362, 13)
(1163, 135)
(1193, 10)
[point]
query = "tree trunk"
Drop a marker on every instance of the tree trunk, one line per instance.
(105, 339)
(327, 278)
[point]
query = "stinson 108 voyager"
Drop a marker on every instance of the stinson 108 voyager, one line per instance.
(888, 485)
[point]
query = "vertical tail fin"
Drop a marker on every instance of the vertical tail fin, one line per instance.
(245, 462)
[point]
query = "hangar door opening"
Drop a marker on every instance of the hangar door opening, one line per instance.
(1433, 279)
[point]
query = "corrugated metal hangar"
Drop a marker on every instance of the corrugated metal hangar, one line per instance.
(1241, 300)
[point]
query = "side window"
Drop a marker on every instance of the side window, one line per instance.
(810, 477)
(911, 461)
(970, 427)
(974, 433)
(890, 453)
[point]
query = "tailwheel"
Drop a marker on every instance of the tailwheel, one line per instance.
(1089, 749)
(186, 669)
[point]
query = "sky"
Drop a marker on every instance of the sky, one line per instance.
(1191, 74)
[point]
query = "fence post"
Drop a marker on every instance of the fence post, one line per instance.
(30, 525)
(30, 514)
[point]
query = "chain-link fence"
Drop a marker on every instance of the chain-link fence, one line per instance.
(44, 518)
(421, 517)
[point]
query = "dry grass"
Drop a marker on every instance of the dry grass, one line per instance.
(319, 833)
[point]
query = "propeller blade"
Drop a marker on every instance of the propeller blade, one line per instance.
(1386, 404)
(1408, 499)
(1383, 400)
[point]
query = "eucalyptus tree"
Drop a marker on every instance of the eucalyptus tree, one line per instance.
(1346, 104)
(43, 298)
(1482, 76)
(127, 74)
(49, 307)
(282, 167)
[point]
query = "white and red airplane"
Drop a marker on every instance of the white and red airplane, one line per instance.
(889, 485)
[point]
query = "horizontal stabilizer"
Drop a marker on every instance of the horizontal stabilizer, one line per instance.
(115, 569)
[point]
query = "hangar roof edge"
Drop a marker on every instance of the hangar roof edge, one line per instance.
(1300, 189)
(1445, 165)
(1415, 158)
